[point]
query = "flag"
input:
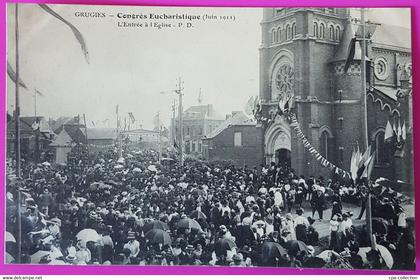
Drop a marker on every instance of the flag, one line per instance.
(38, 92)
(12, 75)
(75, 31)
(404, 132)
(353, 165)
(399, 132)
(249, 106)
(366, 155)
(359, 158)
(394, 127)
(257, 105)
(132, 119)
(350, 54)
(389, 132)
(369, 166)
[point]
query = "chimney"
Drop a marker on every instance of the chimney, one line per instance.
(228, 116)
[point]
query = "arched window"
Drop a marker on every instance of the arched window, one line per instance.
(288, 32)
(293, 30)
(322, 31)
(273, 36)
(316, 34)
(381, 155)
(337, 33)
(279, 35)
(324, 144)
(331, 32)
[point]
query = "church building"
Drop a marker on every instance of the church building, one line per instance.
(302, 56)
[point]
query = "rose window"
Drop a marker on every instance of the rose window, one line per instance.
(285, 79)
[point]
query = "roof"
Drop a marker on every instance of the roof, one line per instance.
(101, 133)
(387, 91)
(62, 139)
(75, 131)
(26, 124)
(201, 112)
(239, 118)
(391, 35)
(56, 124)
(385, 35)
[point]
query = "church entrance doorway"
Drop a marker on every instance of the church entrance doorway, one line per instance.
(283, 157)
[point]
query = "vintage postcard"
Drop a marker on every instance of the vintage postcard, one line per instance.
(276, 137)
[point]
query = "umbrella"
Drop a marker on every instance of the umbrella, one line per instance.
(121, 160)
(189, 223)
(384, 252)
(167, 159)
(155, 225)
(295, 246)
(380, 225)
(270, 250)
(222, 245)
(327, 254)
(314, 262)
(36, 258)
(87, 235)
(158, 236)
(9, 237)
(137, 170)
(46, 163)
(9, 258)
(152, 168)
(198, 215)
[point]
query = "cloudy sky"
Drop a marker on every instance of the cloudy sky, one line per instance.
(132, 66)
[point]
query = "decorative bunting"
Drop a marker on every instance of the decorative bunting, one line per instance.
(324, 162)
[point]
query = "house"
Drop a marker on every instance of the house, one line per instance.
(197, 122)
(236, 139)
(35, 135)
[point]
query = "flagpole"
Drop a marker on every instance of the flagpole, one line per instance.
(181, 134)
(159, 139)
(17, 134)
(87, 139)
(365, 122)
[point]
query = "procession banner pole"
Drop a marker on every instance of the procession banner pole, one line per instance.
(17, 135)
(365, 122)
(181, 134)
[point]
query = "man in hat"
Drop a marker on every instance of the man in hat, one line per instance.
(346, 229)
(46, 200)
(318, 202)
(132, 244)
(237, 260)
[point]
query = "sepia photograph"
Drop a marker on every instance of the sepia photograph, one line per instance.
(198, 136)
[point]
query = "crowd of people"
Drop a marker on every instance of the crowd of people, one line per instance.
(104, 209)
